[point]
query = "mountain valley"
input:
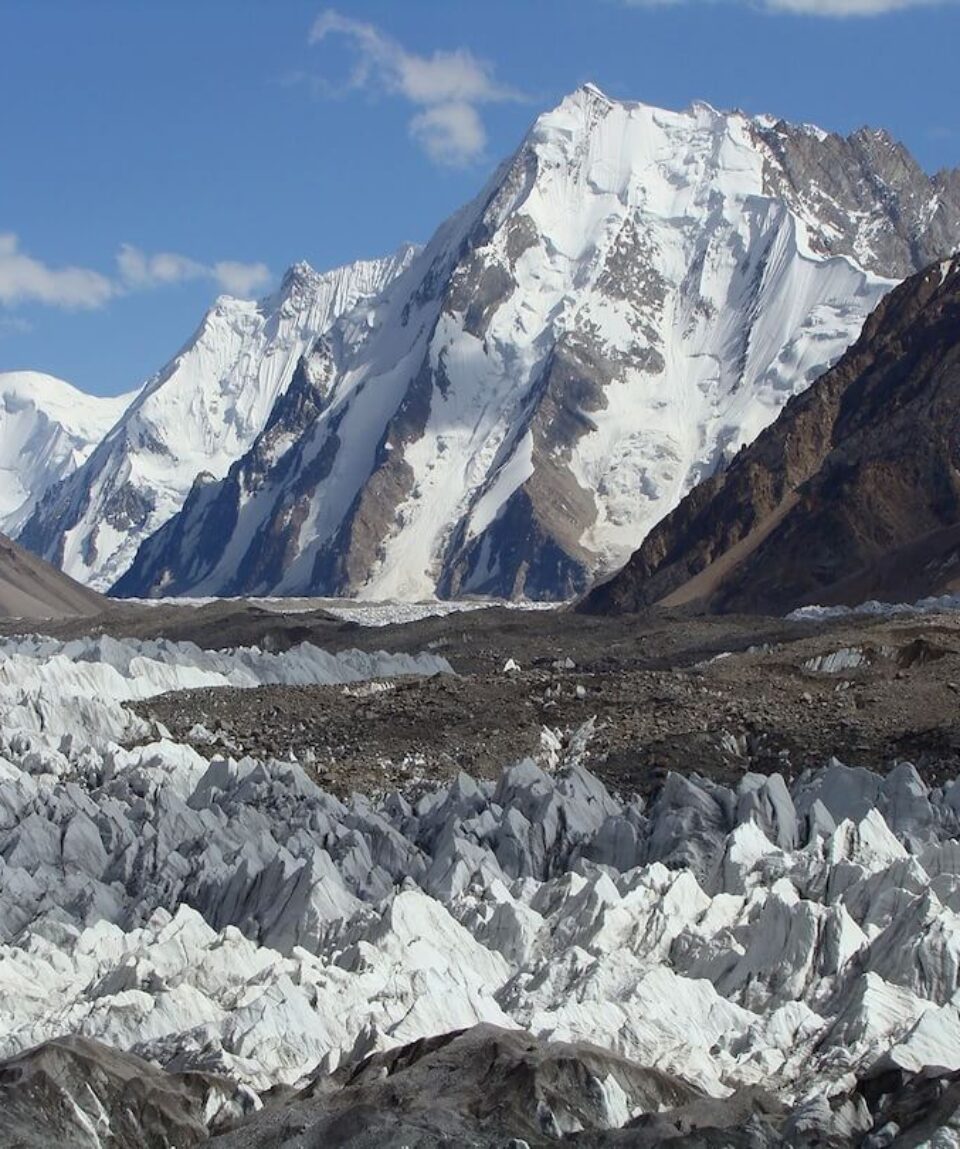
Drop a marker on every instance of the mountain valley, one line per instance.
(524, 708)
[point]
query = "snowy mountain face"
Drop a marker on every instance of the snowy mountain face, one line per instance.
(47, 430)
(634, 296)
(851, 495)
(198, 415)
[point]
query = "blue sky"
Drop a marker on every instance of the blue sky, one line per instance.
(155, 154)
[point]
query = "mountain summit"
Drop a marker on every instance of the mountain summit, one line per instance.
(633, 297)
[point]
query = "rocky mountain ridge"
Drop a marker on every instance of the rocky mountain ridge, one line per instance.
(192, 419)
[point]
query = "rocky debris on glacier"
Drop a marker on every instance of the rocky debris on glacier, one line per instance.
(59, 696)
(783, 697)
(478, 1087)
(485, 1088)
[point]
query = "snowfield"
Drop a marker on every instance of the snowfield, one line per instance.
(231, 916)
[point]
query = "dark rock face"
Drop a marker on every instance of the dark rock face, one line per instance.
(532, 548)
(853, 493)
(865, 195)
(61, 1092)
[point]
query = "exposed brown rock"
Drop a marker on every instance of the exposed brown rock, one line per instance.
(31, 588)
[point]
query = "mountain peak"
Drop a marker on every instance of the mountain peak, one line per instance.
(300, 274)
(592, 91)
(630, 298)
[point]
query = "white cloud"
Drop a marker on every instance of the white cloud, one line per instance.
(447, 87)
(847, 7)
(241, 279)
(836, 8)
(451, 134)
(139, 270)
(24, 279)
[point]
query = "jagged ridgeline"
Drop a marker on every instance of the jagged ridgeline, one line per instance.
(634, 295)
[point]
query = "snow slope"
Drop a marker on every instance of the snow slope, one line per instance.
(47, 430)
(634, 295)
(195, 417)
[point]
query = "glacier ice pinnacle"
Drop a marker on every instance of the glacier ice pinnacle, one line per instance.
(232, 917)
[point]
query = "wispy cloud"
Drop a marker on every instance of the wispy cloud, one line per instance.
(14, 325)
(138, 270)
(833, 8)
(26, 279)
(447, 87)
(849, 7)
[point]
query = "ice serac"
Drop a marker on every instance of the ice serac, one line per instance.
(634, 296)
(47, 430)
(851, 495)
(194, 418)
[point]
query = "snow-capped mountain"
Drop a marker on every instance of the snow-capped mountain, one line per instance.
(634, 296)
(47, 430)
(196, 416)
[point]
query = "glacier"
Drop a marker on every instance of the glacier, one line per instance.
(230, 916)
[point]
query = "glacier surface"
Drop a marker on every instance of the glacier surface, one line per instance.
(231, 916)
